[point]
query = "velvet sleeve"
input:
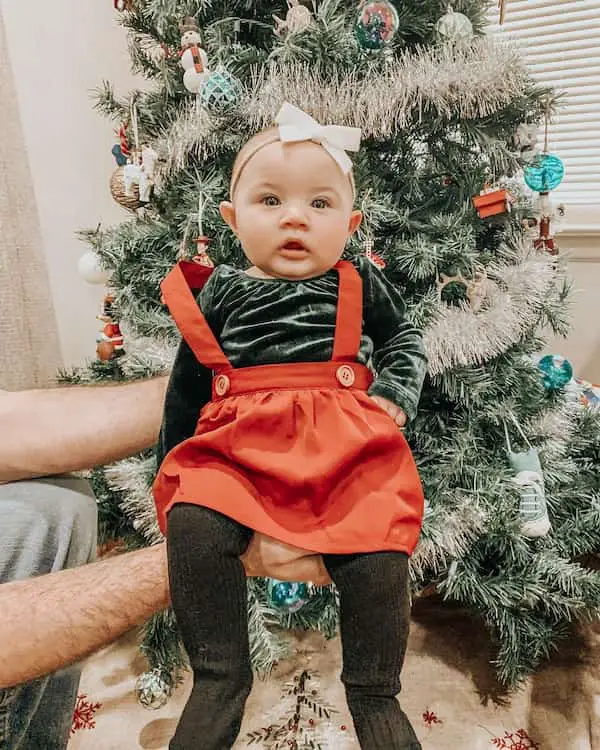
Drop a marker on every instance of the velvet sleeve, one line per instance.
(189, 389)
(398, 353)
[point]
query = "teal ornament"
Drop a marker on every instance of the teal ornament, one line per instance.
(377, 24)
(220, 93)
(556, 371)
(545, 174)
(287, 595)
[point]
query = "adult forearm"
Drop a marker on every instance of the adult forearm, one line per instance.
(58, 619)
(76, 427)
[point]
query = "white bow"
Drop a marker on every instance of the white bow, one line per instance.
(295, 125)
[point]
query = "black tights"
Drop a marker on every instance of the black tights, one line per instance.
(209, 595)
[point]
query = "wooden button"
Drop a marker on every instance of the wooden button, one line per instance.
(222, 385)
(345, 375)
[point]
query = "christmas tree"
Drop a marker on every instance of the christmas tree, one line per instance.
(507, 451)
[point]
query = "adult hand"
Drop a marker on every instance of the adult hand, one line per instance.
(267, 557)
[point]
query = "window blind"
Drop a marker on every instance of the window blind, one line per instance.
(559, 41)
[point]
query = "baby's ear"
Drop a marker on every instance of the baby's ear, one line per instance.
(228, 213)
(355, 221)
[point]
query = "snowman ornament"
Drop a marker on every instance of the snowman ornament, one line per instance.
(193, 57)
(298, 19)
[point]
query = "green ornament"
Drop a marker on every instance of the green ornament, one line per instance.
(220, 93)
(287, 595)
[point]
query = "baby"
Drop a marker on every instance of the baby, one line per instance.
(275, 425)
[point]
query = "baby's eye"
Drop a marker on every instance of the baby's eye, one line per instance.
(270, 200)
(320, 203)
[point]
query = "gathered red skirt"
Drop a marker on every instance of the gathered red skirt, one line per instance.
(303, 455)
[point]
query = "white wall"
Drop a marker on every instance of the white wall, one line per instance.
(60, 50)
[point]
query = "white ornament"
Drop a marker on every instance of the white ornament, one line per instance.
(454, 27)
(90, 269)
(298, 19)
(194, 81)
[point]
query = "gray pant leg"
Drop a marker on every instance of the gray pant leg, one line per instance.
(46, 525)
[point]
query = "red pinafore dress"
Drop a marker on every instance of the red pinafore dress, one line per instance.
(298, 452)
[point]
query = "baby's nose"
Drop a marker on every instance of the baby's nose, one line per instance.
(293, 214)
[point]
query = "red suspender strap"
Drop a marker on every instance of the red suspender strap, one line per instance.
(349, 320)
(177, 294)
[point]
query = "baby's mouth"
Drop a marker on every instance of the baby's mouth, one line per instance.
(293, 246)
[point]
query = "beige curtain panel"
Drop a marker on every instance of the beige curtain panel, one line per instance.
(29, 345)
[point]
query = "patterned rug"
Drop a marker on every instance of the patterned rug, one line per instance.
(449, 693)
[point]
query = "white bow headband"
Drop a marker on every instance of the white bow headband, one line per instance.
(296, 126)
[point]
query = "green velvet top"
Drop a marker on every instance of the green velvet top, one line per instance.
(273, 321)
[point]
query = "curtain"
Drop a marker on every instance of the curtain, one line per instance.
(29, 344)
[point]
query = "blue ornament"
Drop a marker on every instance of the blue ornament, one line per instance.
(287, 595)
(545, 173)
(118, 154)
(556, 371)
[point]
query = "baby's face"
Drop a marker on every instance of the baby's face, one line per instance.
(292, 210)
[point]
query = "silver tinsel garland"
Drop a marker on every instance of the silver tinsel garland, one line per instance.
(455, 81)
(514, 294)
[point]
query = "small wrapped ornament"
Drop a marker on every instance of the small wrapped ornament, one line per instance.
(377, 24)
(153, 689)
(220, 93)
(454, 27)
(193, 57)
(287, 596)
(529, 478)
(298, 19)
(493, 201)
(556, 371)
